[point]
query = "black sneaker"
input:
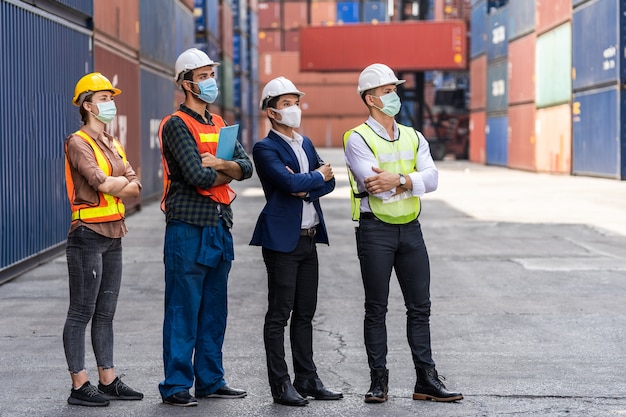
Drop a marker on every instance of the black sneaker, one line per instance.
(117, 390)
(181, 399)
(226, 392)
(87, 395)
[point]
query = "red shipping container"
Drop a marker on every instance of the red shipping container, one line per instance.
(478, 83)
(323, 13)
(324, 132)
(478, 123)
(123, 72)
(404, 46)
(554, 139)
(296, 14)
(551, 13)
(269, 15)
(522, 69)
(292, 40)
(118, 20)
(270, 41)
(226, 24)
(522, 137)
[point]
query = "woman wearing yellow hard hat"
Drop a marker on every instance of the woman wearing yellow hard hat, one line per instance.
(98, 177)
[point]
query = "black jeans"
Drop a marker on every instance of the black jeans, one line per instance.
(381, 247)
(292, 284)
(94, 263)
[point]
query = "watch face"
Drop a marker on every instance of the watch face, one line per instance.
(402, 180)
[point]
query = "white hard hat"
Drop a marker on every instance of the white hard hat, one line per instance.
(189, 60)
(376, 75)
(277, 87)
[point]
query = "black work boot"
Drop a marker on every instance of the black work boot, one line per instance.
(379, 387)
(429, 386)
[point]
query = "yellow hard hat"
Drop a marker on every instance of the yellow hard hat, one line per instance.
(91, 83)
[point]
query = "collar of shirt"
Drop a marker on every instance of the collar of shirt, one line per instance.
(196, 116)
(381, 131)
(296, 139)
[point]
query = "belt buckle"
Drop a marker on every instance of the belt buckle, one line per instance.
(310, 232)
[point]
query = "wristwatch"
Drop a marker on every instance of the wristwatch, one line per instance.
(402, 180)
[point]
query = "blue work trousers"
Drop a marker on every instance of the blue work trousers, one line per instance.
(197, 263)
(382, 247)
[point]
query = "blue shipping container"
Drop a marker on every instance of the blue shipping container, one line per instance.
(498, 45)
(497, 140)
(479, 37)
(375, 11)
(598, 42)
(34, 211)
(576, 3)
(199, 16)
(212, 17)
(157, 98)
(521, 18)
(348, 12)
(156, 41)
(184, 28)
(598, 130)
(82, 6)
(497, 86)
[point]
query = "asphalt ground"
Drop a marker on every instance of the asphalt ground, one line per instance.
(528, 307)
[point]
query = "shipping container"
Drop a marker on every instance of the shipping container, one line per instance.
(522, 69)
(497, 86)
(576, 3)
(344, 49)
(323, 13)
(157, 101)
(156, 41)
(598, 132)
(553, 129)
(226, 38)
(478, 28)
(477, 141)
(348, 12)
(326, 132)
(478, 83)
(34, 212)
(253, 5)
(375, 11)
(319, 98)
(270, 41)
(123, 72)
(553, 67)
(496, 140)
(522, 137)
(241, 48)
(184, 33)
(269, 13)
(119, 20)
(83, 7)
(252, 28)
(292, 40)
(599, 39)
(497, 46)
(295, 14)
(552, 13)
(521, 18)
(225, 79)
(287, 64)
(189, 4)
(240, 10)
(212, 13)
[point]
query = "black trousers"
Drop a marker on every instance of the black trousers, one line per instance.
(292, 284)
(382, 247)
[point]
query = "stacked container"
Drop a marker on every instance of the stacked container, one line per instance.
(478, 81)
(599, 81)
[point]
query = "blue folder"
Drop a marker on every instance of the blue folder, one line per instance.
(226, 142)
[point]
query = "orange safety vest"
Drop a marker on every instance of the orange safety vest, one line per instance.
(206, 137)
(108, 208)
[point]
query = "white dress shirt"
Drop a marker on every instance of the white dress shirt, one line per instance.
(309, 214)
(360, 159)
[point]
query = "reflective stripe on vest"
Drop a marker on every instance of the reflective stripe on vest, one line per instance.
(398, 156)
(108, 208)
(206, 137)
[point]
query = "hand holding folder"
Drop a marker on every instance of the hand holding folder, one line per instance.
(226, 142)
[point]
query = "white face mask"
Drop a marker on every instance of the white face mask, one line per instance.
(289, 116)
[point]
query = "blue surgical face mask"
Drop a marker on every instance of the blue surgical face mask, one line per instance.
(106, 111)
(208, 90)
(391, 104)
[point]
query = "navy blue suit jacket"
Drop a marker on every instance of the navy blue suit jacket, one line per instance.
(278, 226)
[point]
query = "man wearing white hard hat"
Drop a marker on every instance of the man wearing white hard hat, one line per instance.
(198, 249)
(390, 168)
(290, 225)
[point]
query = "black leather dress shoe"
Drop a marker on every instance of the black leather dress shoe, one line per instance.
(315, 388)
(286, 394)
(227, 392)
(430, 387)
(181, 399)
